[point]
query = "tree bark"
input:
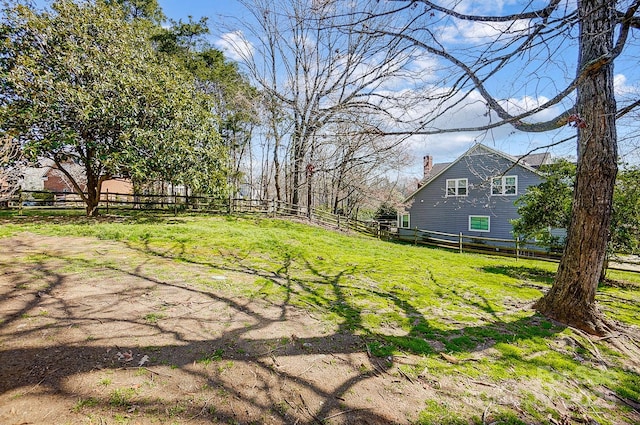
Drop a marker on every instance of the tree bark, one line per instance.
(571, 300)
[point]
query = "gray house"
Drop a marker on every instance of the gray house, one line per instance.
(474, 194)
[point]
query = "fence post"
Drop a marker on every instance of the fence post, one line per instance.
(415, 236)
(175, 201)
(460, 242)
(107, 201)
(517, 248)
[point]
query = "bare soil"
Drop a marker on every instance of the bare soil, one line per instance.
(82, 342)
(99, 332)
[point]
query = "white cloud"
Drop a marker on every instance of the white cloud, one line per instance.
(622, 88)
(462, 31)
(235, 45)
(472, 112)
(474, 7)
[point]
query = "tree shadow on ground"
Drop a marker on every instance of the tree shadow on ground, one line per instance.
(250, 338)
(526, 273)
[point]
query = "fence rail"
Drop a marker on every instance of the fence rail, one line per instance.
(477, 244)
(383, 230)
(178, 203)
(495, 246)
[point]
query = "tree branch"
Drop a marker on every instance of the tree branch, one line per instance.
(536, 14)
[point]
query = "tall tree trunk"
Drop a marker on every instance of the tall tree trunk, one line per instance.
(94, 186)
(276, 168)
(297, 170)
(299, 149)
(571, 300)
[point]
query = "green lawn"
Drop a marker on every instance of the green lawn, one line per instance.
(403, 300)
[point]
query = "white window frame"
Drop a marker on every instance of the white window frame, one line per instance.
(456, 186)
(480, 230)
(503, 186)
(401, 220)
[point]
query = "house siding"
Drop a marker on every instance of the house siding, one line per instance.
(431, 209)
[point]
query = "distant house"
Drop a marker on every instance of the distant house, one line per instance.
(48, 178)
(474, 194)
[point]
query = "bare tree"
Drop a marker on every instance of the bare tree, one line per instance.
(315, 67)
(530, 55)
(352, 162)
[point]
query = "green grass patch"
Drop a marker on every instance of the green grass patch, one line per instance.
(122, 397)
(439, 413)
(85, 403)
(209, 358)
(153, 318)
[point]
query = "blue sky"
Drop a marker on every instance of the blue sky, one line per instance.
(181, 9)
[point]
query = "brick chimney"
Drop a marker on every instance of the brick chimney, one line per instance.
(428, 165)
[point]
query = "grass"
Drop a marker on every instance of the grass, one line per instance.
(85, 403)
(209, 358)
(153, 317)
(400, 298)
(122, 397)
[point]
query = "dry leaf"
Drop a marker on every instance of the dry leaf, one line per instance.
(127, 356)
(449, 358)
(143, 360)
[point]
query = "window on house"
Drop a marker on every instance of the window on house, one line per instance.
(404, 221)
(505, 185)
(479, 223)
(456, 187)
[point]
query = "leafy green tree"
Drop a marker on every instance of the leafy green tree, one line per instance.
(235, 98)
(140, 9)
(386, 211)
(82, 84)
(181, 38)
(547, 205)
(625, 223)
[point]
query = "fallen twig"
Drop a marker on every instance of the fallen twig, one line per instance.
(486, 384)
(635, 406)
(154, 372)
(201, 410)
(35, 386)
(304, 403)
(484, 414)
(307, 369)
(405, 375)
(343, 413)
(449, 358)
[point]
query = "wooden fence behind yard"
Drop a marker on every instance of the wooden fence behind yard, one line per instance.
(111, 202)
(477, 244)
(495, 246)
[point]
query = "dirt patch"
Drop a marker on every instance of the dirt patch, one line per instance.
(96, 332)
